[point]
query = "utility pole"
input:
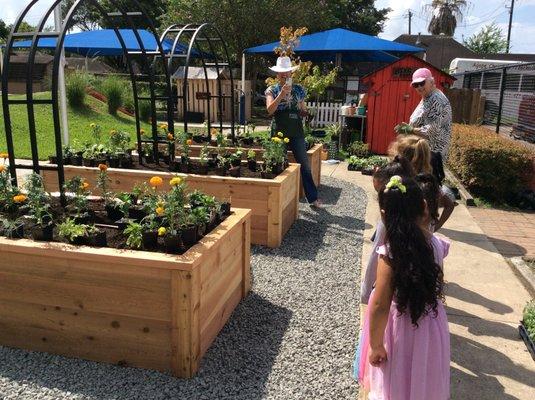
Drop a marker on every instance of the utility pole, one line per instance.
(410, 20)
(510, 25)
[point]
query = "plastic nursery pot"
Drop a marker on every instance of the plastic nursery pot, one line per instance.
(126, 162)
(17, 233)
(221, 171)
(114, 162)
(43, 233)
(53, 159)
(184, 168)
(235, 163)
(522, 330)
(213, 156)
(149, 239)
(123, 223)
(252, 165)
(235, 172)
(203, 170)
(149, 159)
(88, 162)
(98, 239)
(114, 213)
(198, 138)
(277, 168)
(136, 212)
(367, 171)
(78, 241)
(247, 141)
(225, 208)
(76, 160)
(267, 175)
(172, 243)
(201, 231)
(189, 235)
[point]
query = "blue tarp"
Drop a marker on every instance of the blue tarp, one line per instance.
(353, 46)
(104, 43)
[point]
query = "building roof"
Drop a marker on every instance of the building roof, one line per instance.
(440, 49)
(420, 61)
(18, 66)
(93, 66)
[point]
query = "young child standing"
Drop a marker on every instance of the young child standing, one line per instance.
(406, 344)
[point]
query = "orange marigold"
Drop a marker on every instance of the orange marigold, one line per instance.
(103, 167)
(85, 185)
(4, 155)
(156, 181)
(189, 142)
(20, 198)
(170, 136)
(2, 168)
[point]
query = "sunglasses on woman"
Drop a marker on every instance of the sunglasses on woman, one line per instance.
(418, 84)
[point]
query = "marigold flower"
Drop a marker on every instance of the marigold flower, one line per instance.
(163, 126)
(280, 134)
(113, 132)
(156, 181)
(276, 139)
(170, 136)
(213, 131)
(2, 168)
(4, 155)
(189, 142)
(92, 125)
(160, 211)
(175, 181)
(142, 131)
(20, 198)
(286, 140)
(103, 167)
(84, 185)
(162, 231)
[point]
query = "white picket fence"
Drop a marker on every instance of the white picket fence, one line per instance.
(326, 114)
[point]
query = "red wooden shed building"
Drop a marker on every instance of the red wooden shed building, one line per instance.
(391, 99)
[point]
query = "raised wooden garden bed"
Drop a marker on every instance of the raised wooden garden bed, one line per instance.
(274, 202)
(314, 159)
(125, 307)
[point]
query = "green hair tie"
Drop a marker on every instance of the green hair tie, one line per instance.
(396, 182)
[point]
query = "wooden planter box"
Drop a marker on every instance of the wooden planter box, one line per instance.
(314, 160)
(136, 308)
(274, 202)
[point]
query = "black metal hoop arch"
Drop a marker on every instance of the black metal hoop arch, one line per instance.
(201, 33)
(54, 101)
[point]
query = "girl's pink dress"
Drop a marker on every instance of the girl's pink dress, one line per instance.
(418, 365)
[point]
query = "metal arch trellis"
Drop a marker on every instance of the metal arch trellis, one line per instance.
(60, 36)
(201, 33)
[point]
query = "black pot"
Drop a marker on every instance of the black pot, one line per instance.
(213, 156)
(122, 223)
(137, 213)
(76, 160)
(43, 233)
(235, 163)
(98, 239)
(114, 213)
(67, 160)
(174, 167)
(17, 233)
(247, 141)
(53, 159)
(88, 162)
(126, 162)
(351, 167)
(267, 175)
(79, 241)
(277, 168)
(114, 162)
(100, 160)
(189, 235)
(235, 172)
(198, 138)
(184, 168)
(225, 208)
(149, 159)
(221, 171)
(252, 165)
(201, 230)
(212, 163)
(203, 169)
(83, 220)
(367, 171)
(150, 239)
(172, 243)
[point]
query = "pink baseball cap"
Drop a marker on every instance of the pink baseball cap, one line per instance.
(421, 75)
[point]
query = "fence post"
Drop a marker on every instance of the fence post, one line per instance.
(500, 106)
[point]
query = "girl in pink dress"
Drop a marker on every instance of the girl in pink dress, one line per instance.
(406, 344)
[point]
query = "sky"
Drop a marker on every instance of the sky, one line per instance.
(478, 14)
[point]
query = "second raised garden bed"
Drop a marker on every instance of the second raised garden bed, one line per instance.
(274, 202)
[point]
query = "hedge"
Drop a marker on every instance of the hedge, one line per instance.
(489, 165)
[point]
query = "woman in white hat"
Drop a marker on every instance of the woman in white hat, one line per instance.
(286, 103)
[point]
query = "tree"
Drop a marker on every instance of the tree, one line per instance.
(4, 31)
(446, 15)
(490, 39)
(357, 15)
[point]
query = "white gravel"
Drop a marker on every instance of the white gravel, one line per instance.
(293, 337)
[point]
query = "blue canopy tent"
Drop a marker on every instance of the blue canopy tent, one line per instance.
(338, 45)
(105, 43)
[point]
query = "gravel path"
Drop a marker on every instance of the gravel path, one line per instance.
(291, 338)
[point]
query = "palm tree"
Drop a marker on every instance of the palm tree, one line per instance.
(446, 14)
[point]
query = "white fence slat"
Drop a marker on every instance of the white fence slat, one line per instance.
(327, 113)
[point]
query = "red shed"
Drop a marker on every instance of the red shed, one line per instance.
(391, 99)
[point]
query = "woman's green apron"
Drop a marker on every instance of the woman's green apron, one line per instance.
(288, 122)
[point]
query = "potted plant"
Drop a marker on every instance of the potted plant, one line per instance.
(266, 171)
(12, 228)
(147, 153)
(275, 152)
(223, 165)
(149, 234)
(173, 215)
(251, 160)
(235, 158)
(38, 206)
(134, 235)
(355, 163)
(73, 232)
(10, 196)
(527, 327)
(77, 202)
(359, 149)
(96, 236)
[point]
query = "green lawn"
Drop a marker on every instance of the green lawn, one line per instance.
(79, 129)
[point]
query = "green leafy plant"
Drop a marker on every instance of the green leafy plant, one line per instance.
(119, 141)
(359, 149)
(528, 317)
(376, 161)
(357, 162)
(38, 200)
(134, 234)
(77, 190)
(9, 226)
(251, 155)
(70, 230)
(275, 149)
(203, 156)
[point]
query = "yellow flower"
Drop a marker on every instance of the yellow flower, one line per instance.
(92, 125)
(163, 126)
(280, 134)
(4, 155)
(162, 231)
(103, 167)
(2, 168)
(142, 131)
(276, 139)
(156, 181)
(175, 181)
(170, 136)
(189, 142)
(84, 185)
(113, 132)
(213, 131)
(160, 211)
(286, 140)
(20, 198)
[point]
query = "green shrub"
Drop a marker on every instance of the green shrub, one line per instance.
(359, 149)
(144, 109)
(76, 89)
(529, 319)
(113, 89)
(488, 164)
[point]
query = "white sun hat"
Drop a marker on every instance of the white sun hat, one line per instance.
(284, 64)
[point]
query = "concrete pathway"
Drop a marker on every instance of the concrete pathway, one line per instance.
(484, 304)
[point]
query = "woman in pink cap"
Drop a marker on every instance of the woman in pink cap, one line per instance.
(432, 119)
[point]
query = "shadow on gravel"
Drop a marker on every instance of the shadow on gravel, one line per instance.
(236, 366)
